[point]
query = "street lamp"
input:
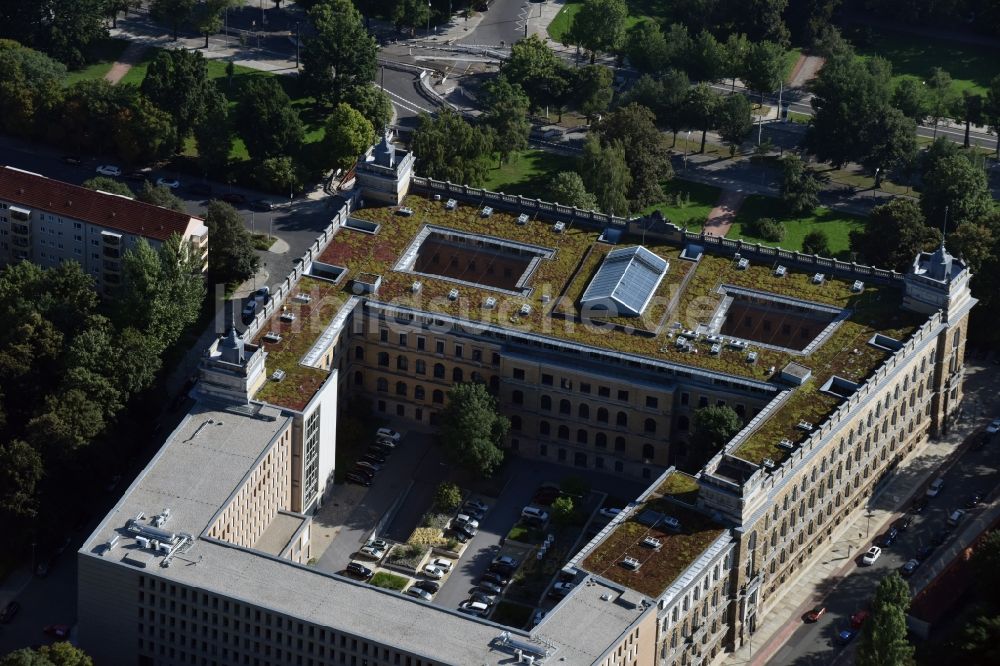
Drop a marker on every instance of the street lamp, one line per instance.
(687, 145)
(868, 528)
(875, 187)
(428, 18)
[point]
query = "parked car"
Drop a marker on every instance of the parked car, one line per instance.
(537, 617)
(858, 619)
(56, 630)
(935, 488)
(420, 593)
(172, 183)
(889, 537)
(381, 544)
(476, 505)
(467, 520)
(359, 570)
(560, 590)
(385, 442)
(907, 569)
(249, 310)
(869, 558)
(474, 608)
(200, 189)
(429, 586)
(461, 537)
(9, 611)
(443, 564)
(919, 505)
(507, 561)
(956, 517)
(434, 572)
(994, 427)
(137, 176)
(234, 198)
(973, 500)
(495, 578)
(815, 614)
(845, 636)
(109, 170)
(368, 465)
(262, 205)
(534, 512)
(373, 552)
(71, 159)
(388, 433)
(484, 597)
(491, 588)
(374, 458)
(924, 552)
(609, 512)
(904, 523)
(379, 450)
(359, 479)
(466, 530)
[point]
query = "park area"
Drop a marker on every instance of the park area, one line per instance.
(836, 225)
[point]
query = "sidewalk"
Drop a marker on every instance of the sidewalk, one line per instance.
(829, 564)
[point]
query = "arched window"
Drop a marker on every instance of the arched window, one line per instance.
(382, 384)
(583, 411)
(402, 363)
(565, 407)
(383, 359)
(494, 384)
(601, 440)
(581, 436)
(515, 422)
(517, 397)
(544, 428)
(456, 375)
(359, 353)
(401, 388)
(683, 423)
(437, 397)
(359, 378)
(647, 452)
(421, 367)
(476, 378)
(650, 425)
(563, 432)
(546, 402)
(418, 392)
(438, 371)
(619, 443)
(602, 415)
(622, 419)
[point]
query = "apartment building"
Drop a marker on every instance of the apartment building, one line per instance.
(47, 222)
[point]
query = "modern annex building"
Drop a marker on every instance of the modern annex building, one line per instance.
(47, 221)
(601, 338)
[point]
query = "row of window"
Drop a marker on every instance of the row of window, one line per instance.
(457, 350)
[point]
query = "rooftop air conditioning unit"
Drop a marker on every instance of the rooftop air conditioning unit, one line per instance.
(716, 349)
(559, 227)
(453, 295)
(631, 563)
(780, 271)
(786, 444)
(415, 287)
(651, 542)
(743, 264)
(818, 278)
(752, 357)
(858, 286)
(487, 211)
(522, 218)
(278, 375)
(490, 303)
(768, 463)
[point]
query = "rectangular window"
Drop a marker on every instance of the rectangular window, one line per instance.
(402, 339)
(720, 403)
(458, 351)
(652, 401)
(439, 346)
(702, 402)
(477, 355)
(547, 380)
(685, 398)
(518, 373)
(623, 395)
(421, 342)
(604, 391)
(383, 335)
(584, 387)
(543, 450)
(565, 384)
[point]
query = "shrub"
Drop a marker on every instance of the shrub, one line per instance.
(447, 497)
(388, 581)
(767, 228)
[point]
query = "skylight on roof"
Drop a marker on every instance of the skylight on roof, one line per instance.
(625, 282)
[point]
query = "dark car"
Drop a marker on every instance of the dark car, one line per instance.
(973, 500)
(366, 472)
(889, 537)
(374, 457)
(428, 585)
(815, 614)
(9, 611)
(234, 198)
(496, 578)
(924, 552)
(137, 176)
(379, 450)
(359, 570)
(461, 537)
(262, 205)
(846, 635)
(502, 568)
(907, 569)
(904, 523)
(359, 479)
(939, 537)
(70, 159)
(919, 505)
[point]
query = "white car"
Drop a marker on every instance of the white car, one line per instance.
(994, 427)
(433, 572)
(420, 594)
(172, 183)
(481, 507)
(609, 512)
(869, 558)
(469, 521)
(373, 552)
(442, 564)
(474, 608)
(935, 487)
(388, 433)
(109, 170)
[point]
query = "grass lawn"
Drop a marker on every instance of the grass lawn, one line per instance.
(527, 172)
(261, 242)
(104, 54)
(835, 224)
(971, 66)
(389, 581)
(564, 19)
(686, 204)
(788, 64)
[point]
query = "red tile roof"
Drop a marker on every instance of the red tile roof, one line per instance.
(107, 210)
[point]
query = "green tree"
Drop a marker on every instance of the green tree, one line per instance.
(883, 638)
(374, 105)
(213, 132)
(764, 67)
(645, 152)
(991, 108)
(20, 471)
(910, 97)
(737, 50)
(176, 81)
(975, 243)
(267, 121)
(593, 90)
(411, 14)
(340, 56)
(278, 174)
(600, 26)
(207, 16)
(160, 195)
(347, 134)
(972, 112)
(231, 259)
(890, 141)
(647, 47)
(447, 497)
(507, 113)
(56, 654)
(472, 429)
(707, 58)
(141, 132)
(714, 426)
(537, 69)
(175, 13)
(958, 186)
(31, 88)
(979, 641)
(606, 174)
(448, 148)
(986, 560)
(799, 186)
(70, 28)
(108, 184)
(69, 421)
(563, 510)
(759, 19)
(941, 98)
(701, 110)
(567, 188)
(734, 120)
(893, 235)
(816, 242)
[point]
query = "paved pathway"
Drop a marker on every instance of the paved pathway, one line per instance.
(720, 219)
(129, 57)
(805, 69)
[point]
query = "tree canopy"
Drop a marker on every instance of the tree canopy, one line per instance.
(634, 127)
(883, 637)
(472, 429)
(339, 56)
(600, 26)
(231, 258)
(507, 113)
(448, 148)
(269, 124)
(606, 174)
(714, 426)
(902, 221)
(953, 183)
(567, 188)
(347, 135)
(176, 82)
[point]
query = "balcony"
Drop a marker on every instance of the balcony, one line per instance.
(112, 278)
(111, 239)
(20, 229)
(112, 266)
(112, 253)
(21, 242)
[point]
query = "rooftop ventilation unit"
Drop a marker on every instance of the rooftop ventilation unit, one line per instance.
(716, 349)
(670, 523)
(287, 317)
(752, 357)
(415, 287)
(818, 278)
(160, 519)
(650, 542)
(786, 444)
(858, 286)
(302, 298)
(559, 227)
(737, 344)
(490, 303)
(142, 541)
(453, 295)
(152, 533)
(450, 204)
(780, 271)
(272, 336)
(278, 375)
(631, 563)
(743, 264)
(805, 425)
(768, 463)
(487, 211)
(522, 218)
(714, 339)
(525, 310)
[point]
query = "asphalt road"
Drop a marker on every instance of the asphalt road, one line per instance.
(503, 22)
(976, 471)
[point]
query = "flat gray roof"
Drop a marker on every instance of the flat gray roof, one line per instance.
(278, 533)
